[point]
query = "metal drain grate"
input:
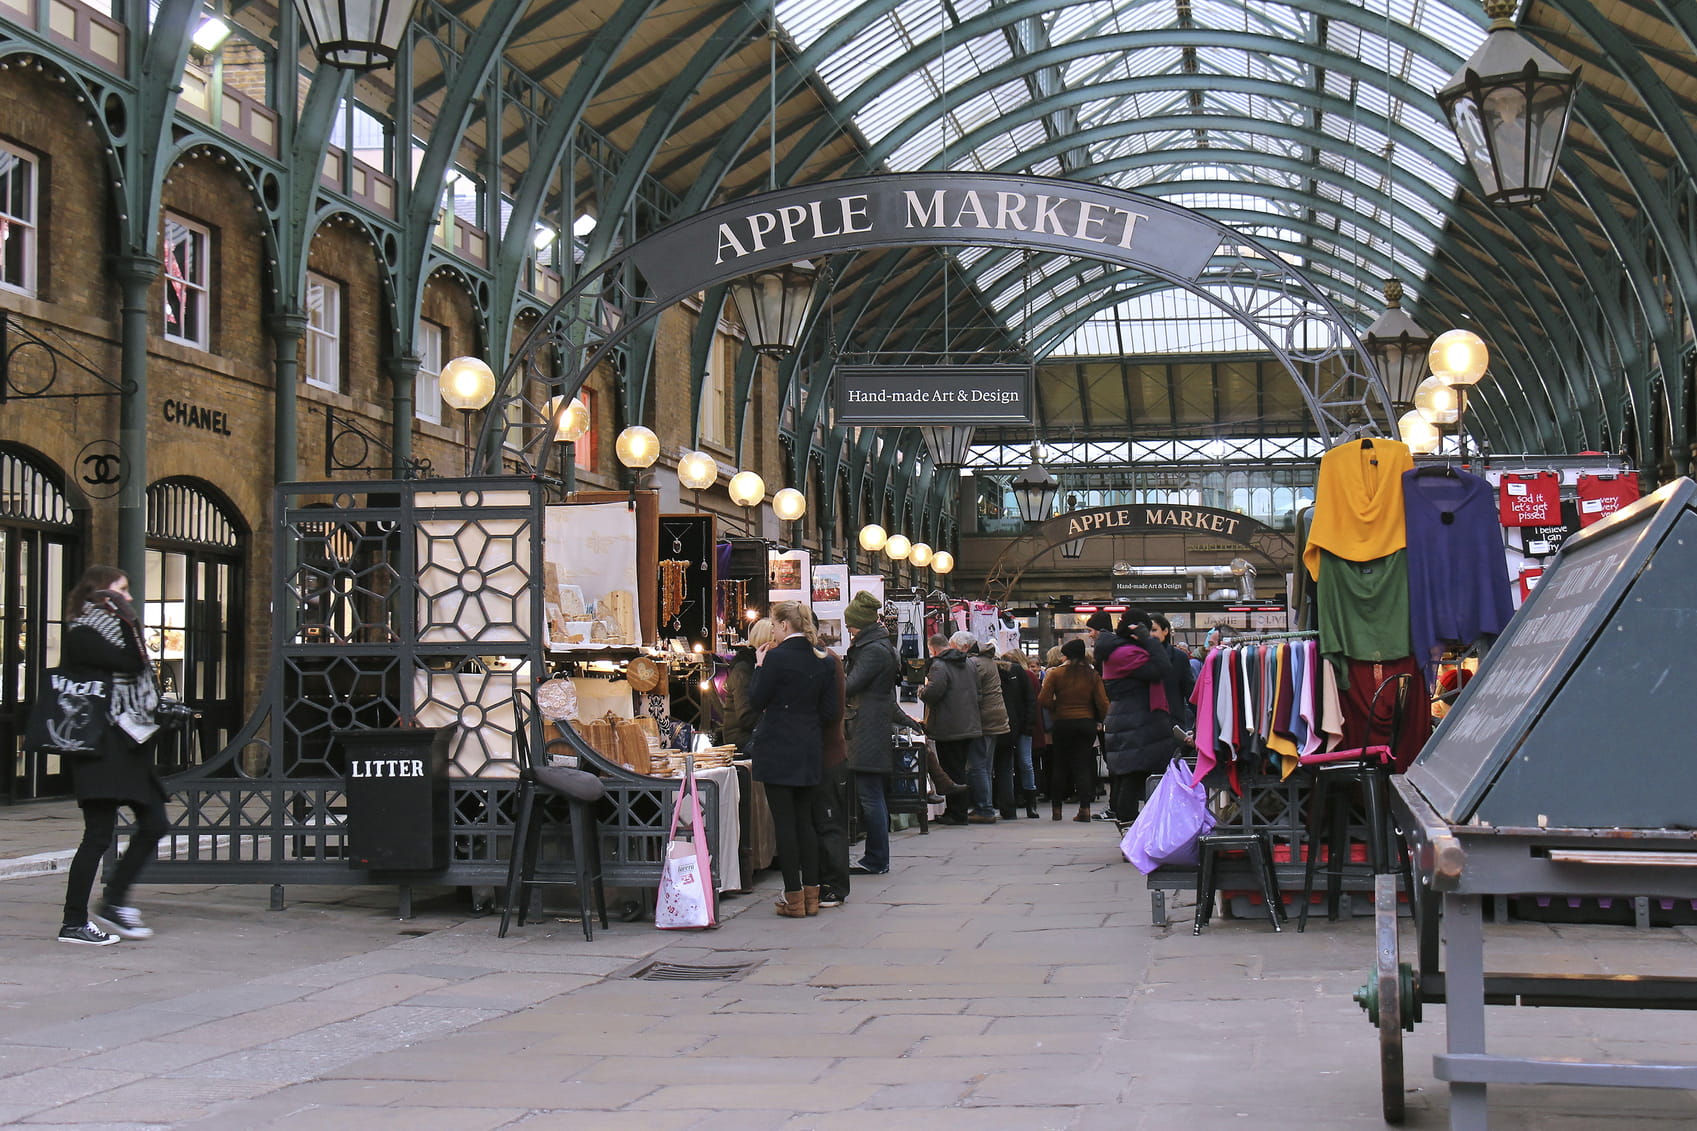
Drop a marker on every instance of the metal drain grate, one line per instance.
(682, 972)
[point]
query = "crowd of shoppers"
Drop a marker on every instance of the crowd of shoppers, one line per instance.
(1001, 732)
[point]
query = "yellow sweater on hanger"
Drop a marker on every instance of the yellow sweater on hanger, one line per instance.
(1358, 502)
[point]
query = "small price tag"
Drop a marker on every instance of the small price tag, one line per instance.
(1591, 506)
(1515, 488)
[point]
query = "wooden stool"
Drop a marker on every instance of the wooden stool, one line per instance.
(1259, 851)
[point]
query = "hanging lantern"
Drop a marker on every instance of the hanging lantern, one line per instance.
(1398, 347)
(920, 555)
(1034, 490)
(897, 547)
(772, 306)
(873, 537)
(949, 444)
(356, 35)
(1073, 550)
(1509, 104)
(942, 562)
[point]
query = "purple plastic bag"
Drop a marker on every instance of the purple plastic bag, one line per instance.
(1171, 821)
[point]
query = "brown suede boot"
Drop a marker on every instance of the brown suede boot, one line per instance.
(940, 781)
(809, 899)
(791, 906)
(1083, 813)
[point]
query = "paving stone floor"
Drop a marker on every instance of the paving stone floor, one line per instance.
(1000, 977)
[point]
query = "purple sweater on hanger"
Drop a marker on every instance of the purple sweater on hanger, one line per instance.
(1458, 587)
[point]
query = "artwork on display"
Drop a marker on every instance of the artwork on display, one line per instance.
(830, 585)
(474, 577)
(872, 583)
(589, 586)
(830, 598)
(789, 575)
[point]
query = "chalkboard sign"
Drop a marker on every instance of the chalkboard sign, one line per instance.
(1519, 677)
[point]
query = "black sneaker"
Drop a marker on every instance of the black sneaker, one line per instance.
(862, 870)
(124, 922)
(86, 935)
(829, 897)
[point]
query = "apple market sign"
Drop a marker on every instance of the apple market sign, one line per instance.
(924, 210)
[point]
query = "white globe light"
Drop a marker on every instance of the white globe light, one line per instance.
(697, 470)
(571, 419)
(637, 447)
(789, 504)
(747, 489)
(1420, 434)
(1459, 357)
(872, 538)
(897, 547)
(920, 555)
(1437, 401)
(942, 562)
(467, 383)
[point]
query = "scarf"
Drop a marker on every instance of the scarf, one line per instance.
(1125, 660)
(134, 694)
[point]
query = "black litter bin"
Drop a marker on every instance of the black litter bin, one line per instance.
(397, 797)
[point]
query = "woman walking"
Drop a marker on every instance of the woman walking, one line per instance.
(104, 638)
(1074, 695)
(1139, 729)
(796, 693)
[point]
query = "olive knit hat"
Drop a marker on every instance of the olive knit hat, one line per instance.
(861, 611)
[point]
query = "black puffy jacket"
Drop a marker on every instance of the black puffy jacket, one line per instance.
(1139, 736)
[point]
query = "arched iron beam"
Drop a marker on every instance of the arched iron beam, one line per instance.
(703, 18)
(552, 145)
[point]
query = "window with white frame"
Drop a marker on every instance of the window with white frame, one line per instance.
(18, 211)
(321, 360)
(427, 386)
(715, 392)
(188, 296)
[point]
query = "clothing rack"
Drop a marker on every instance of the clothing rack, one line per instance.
(1264, 637)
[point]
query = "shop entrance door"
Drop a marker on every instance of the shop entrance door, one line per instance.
(194, 616)
(37, 541)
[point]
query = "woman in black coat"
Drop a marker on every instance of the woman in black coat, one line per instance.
(1138, 729)
(104, 637)
(795, 690)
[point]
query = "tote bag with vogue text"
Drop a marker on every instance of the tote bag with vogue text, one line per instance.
(686, 874)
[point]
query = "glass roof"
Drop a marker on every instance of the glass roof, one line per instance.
(1183, 103)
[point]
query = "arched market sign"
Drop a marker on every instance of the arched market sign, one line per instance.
(1134, 519)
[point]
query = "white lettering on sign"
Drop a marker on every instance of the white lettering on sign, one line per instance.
(965, 210)
(386, 768)
(793, 223)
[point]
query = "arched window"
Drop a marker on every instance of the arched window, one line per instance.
(196, 573)
(40, 541)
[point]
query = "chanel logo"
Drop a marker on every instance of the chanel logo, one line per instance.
(101, 469)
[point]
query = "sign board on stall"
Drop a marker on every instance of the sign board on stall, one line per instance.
(1581, 707)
